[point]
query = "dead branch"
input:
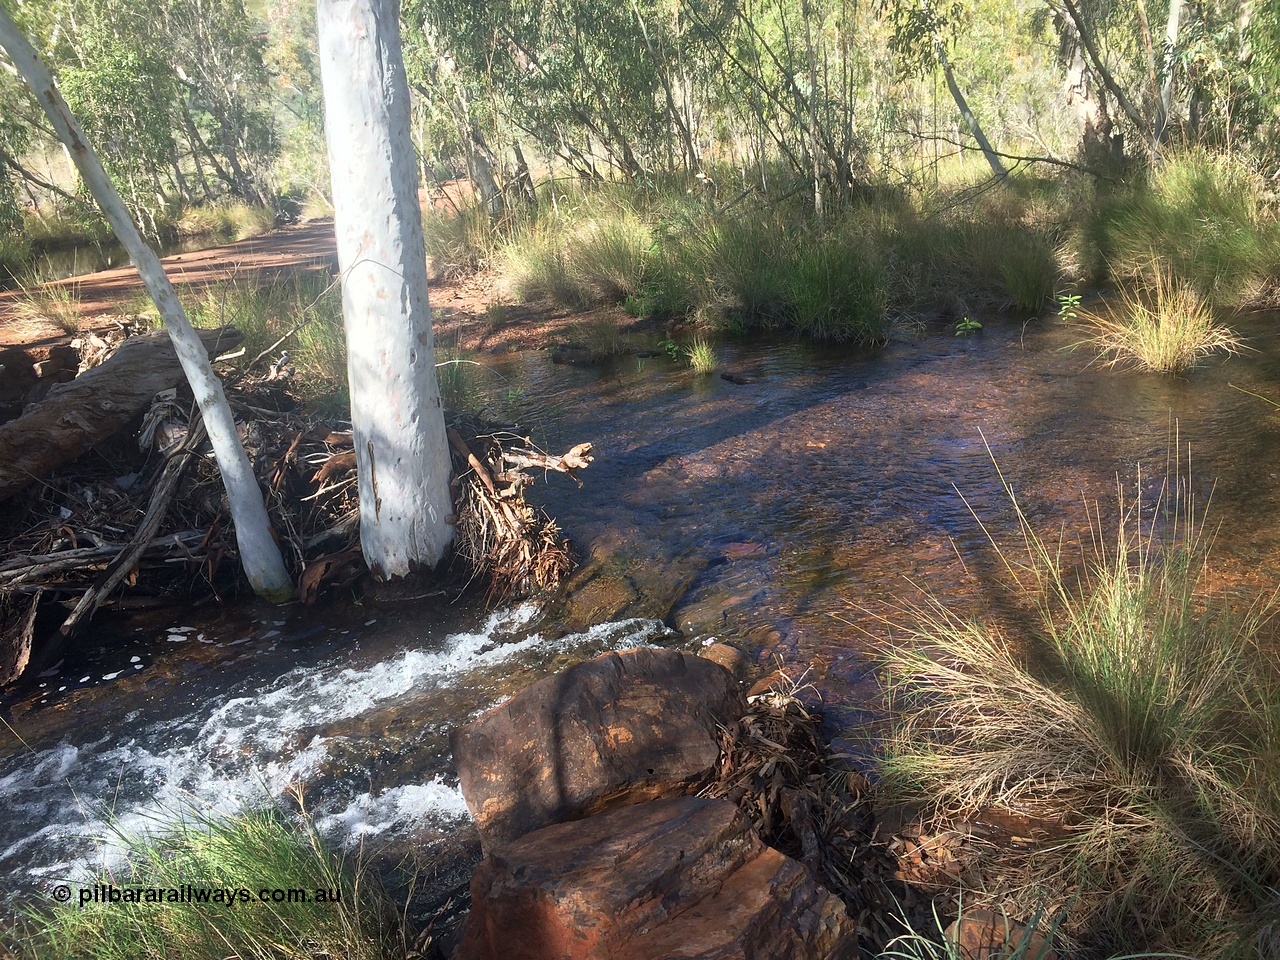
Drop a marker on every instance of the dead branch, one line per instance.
(119, 568)
(578, 458)
(460, 445)
(40, 571)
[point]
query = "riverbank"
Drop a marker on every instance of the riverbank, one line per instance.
(829, 480)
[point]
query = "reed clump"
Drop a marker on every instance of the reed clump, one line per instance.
(228, 220)
(768, 264)
(1163, 325)
(49, 301)
(1209, 219)
(1133, 709)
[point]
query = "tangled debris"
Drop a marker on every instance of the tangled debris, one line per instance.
(517, 547)
(817, 807)
(147, 510)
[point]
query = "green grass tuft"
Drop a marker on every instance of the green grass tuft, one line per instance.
(1134, 709)
(606, 258)
(226, 221)
(49, 301)
(835, 292)
(1202, 214)
(592, 255)
(459, 242)
(304, 310)
(702, 356)
(253, 851)
(1166, 327)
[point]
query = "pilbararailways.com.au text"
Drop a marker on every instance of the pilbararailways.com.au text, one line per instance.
(189, 893)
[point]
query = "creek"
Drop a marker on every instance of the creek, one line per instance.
(792, 515)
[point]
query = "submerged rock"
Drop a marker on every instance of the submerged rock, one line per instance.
(985, 935)
(731, 658)
(679, 878)
(623, 728)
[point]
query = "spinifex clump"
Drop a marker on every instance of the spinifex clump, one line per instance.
(1138, 712)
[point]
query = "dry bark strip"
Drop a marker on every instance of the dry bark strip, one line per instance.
(79, 415)
(15, 642)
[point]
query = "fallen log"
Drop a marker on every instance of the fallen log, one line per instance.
(44, 572)
(77, 416)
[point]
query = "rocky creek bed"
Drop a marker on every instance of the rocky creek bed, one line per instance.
(787, 510)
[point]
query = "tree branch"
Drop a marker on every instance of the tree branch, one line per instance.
(1095, 57)
(1018, 158)
(10, 161)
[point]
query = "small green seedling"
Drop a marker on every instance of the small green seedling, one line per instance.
(966, 326)
(1067, 303)
(672, 348)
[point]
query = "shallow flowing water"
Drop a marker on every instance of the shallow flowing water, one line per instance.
(789, 514)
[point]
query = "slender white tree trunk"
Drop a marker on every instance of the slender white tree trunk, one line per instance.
(1165, 107)
(258, 550)
(970, 120)
(402, 453)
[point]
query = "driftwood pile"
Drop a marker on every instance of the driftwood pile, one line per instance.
(516, 546)
(145, 509)
(816, 807)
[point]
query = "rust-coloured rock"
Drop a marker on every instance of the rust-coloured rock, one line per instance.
(622, 728)
(731, 658)
(985, 935)
(682, 878)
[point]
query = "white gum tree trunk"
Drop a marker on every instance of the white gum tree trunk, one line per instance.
(402, 454)
(1164, 109)
(258, 550)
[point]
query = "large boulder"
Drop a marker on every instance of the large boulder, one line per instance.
(623, 728)
(681, 878)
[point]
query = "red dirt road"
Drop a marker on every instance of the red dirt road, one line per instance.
(300, 249)
(459, 306)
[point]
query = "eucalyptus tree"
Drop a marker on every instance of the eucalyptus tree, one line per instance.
(170, 90)
(259, 553)
(216, 51)
(114, 75)
(1199, 78)
(610, 88)
(921, 32)
(402, 454)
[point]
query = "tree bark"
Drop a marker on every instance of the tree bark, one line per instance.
(1100, 68)
(812, 104)
(259, 553)
(1165, 106)
(970, 120)
(402, 454)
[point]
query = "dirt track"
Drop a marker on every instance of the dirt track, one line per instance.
(459, 306)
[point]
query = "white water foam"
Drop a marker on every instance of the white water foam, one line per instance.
(394, 810)
(68, 802)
